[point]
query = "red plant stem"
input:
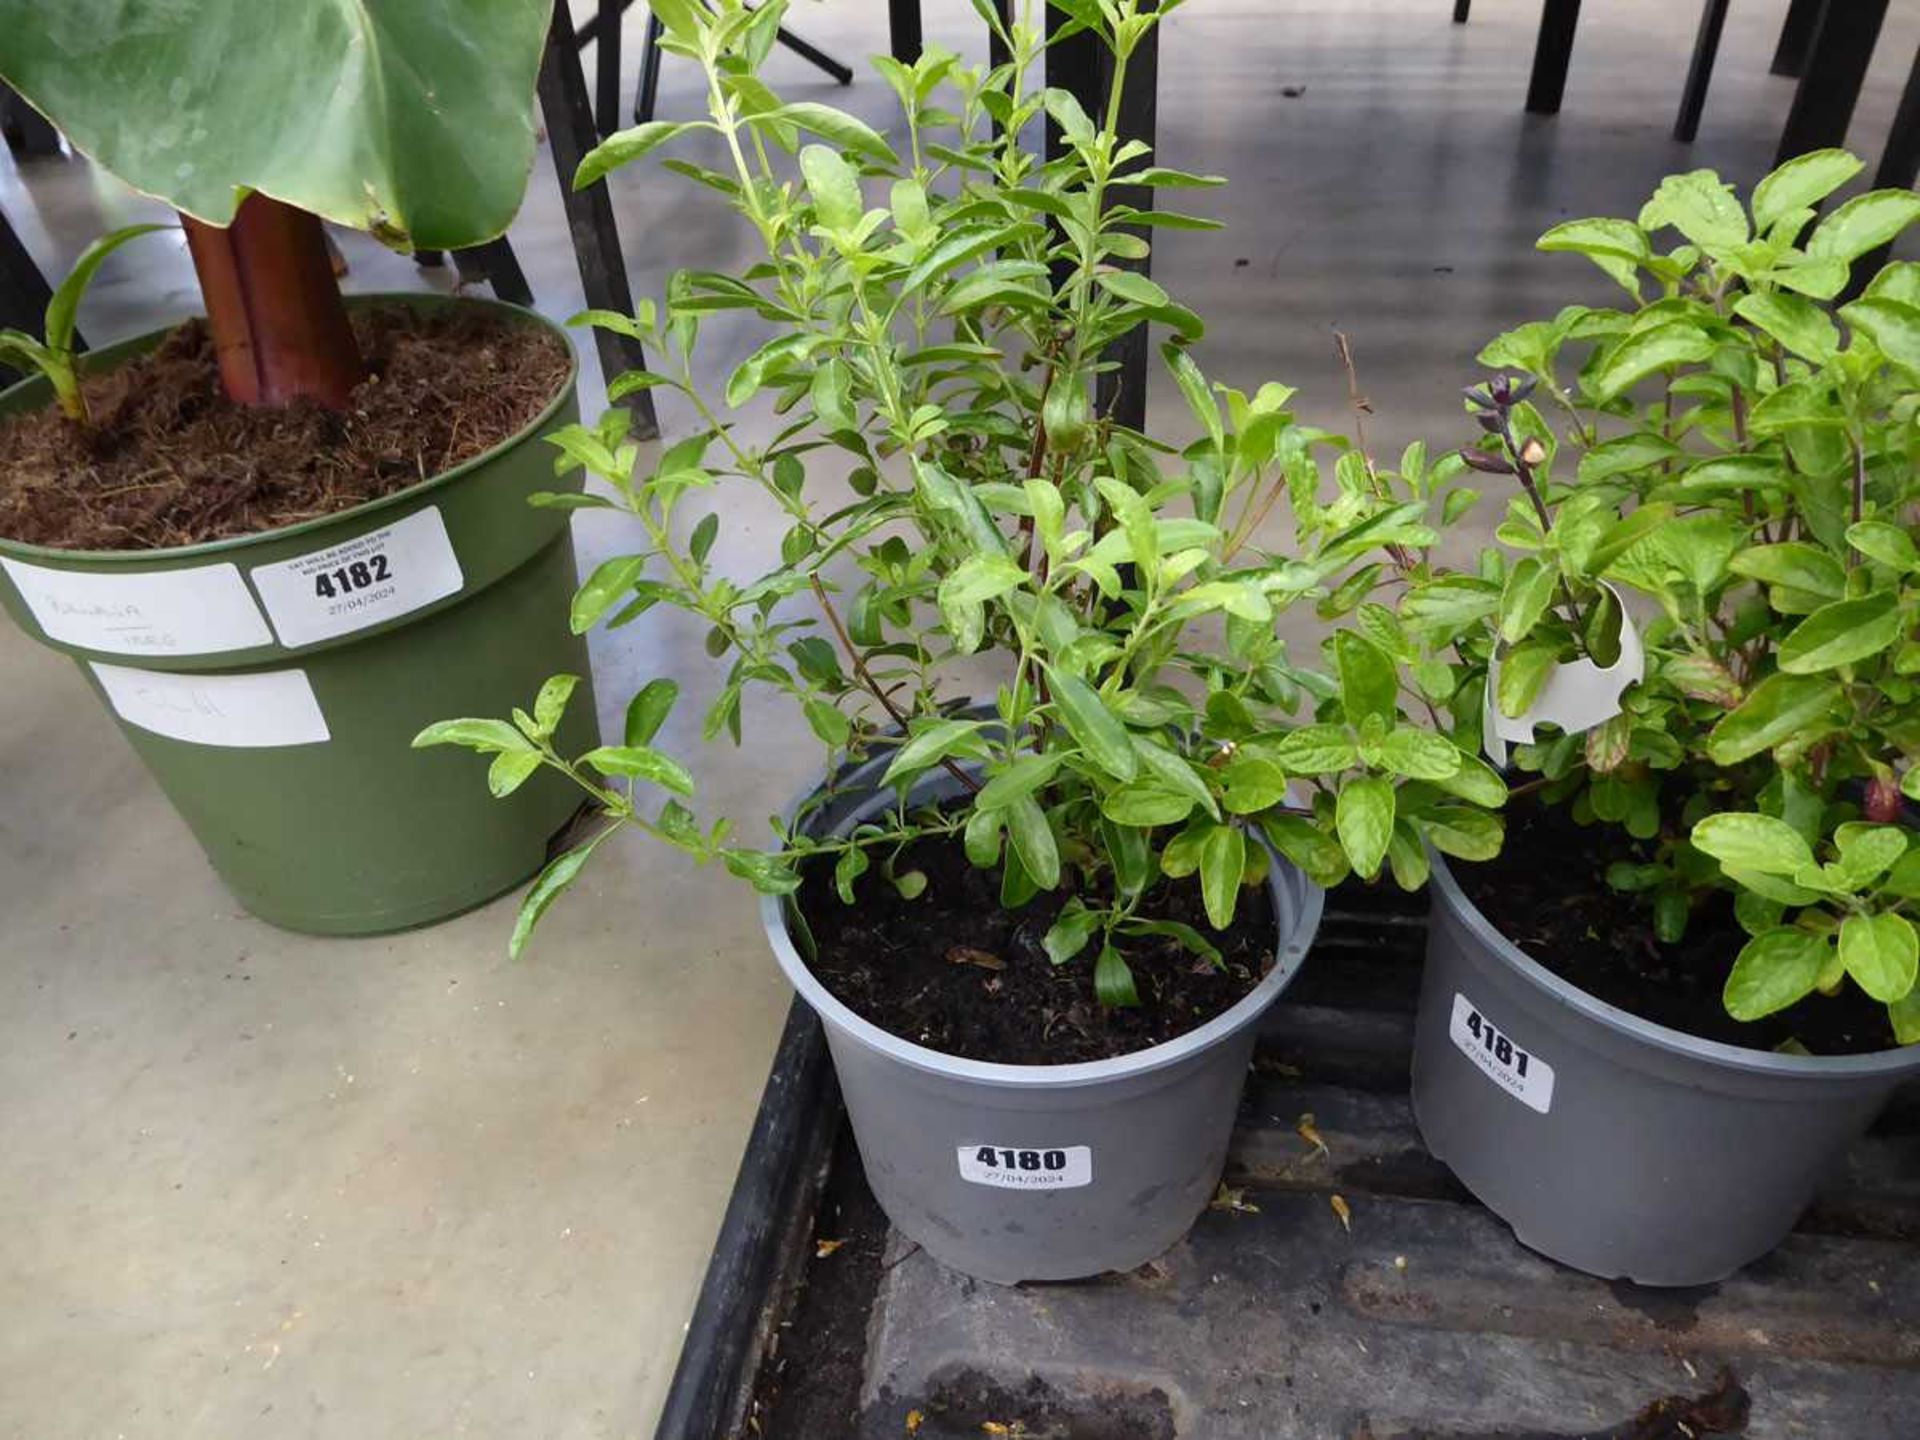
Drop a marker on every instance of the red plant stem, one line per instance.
(280, 329)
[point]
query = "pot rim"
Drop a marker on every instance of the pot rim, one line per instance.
(168, 556)
(1290, 952)
(1647, 1032)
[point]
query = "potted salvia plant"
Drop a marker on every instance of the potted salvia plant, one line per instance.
(278, 540)
(1041, 929)
(1650, 1028)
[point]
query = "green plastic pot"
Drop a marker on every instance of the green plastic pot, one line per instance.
(278, 717)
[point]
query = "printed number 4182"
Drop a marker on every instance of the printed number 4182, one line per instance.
(330, 584)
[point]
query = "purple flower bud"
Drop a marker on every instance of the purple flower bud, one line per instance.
(1524, 389)
(1488, 422)
(1488, 463)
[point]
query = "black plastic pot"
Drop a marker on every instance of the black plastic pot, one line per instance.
(1620, 1147)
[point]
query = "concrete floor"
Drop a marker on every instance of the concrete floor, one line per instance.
(253, 1184)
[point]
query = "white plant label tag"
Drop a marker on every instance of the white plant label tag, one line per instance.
(365, 581)
(1520, 1073)
(244, 712)
(1577, 697)
(203, 611)
(1067, 1167)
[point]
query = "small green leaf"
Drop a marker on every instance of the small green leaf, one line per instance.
(1317, 750)
(1022, 777)
(1251, 784)
(1803, 181)
(640, 762)
(1146, 804)
(1743, 841)
(648, 710)
(1777, 709)
(1523, 671)
(1033, 841)
(833, 185)
(1529, 590)
(1888, 544)
(1647, 353)
(608, 584)
(1131, 286)
(1097, 729)
(929, 745)
(551, 704)
(851, 865)
(1842, 633)
(1775, 969)
(1317, 853)
(1369, 679)
(1882, 954)
(1363, 818)
(1864, 223)
(1793, 320)
(835, 125)
(510, 770)
(486, 736)
(1113, 981)
(827, 722)
(1223, 856)
(560, 873)
(1069, 934)
(623, 147)
(1418, 754)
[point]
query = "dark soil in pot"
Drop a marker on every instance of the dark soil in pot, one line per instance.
(1547, 893)
(953, 971)
(170, 461)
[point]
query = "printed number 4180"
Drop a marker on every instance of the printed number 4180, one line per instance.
(994, 1159)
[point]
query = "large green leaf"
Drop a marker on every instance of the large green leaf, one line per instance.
(413, 121)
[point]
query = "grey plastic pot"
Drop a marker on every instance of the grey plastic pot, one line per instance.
(1614, 1145)
(1041, 1172)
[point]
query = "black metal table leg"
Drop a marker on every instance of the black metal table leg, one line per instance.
(1461, 8)
(28, 132)
(1706, 47)
(606, 65)
(496, 264)
(997, 52)
(596, 238)
(1122, 393)
(647, 94)
(842, 74)
(1551, 56)
(905, 30)
(1836, 68)
(24, 291)
(1899, 169)
(1796, 37)
(1082, 66)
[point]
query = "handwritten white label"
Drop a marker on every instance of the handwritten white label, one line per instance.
(1064, 1167)
(1520, 1073)
(246, 712)
(202, 611)
(365, 581)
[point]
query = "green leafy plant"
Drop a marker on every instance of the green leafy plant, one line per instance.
(938, 318)
(1739, 449)
(55, 357)
(413, 122)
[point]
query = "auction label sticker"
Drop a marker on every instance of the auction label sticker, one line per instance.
(243, 712)
(202, 611)
(365, 581)
(1522, 1074)
(1065, 1167)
